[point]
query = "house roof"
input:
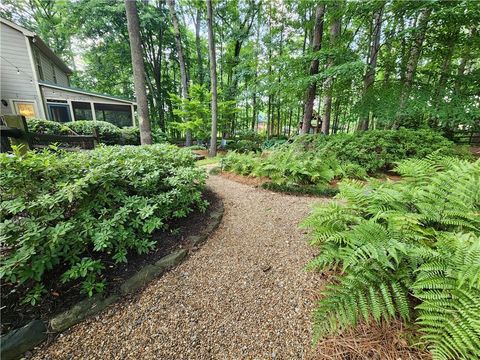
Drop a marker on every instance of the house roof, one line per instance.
(39, 43)
(81, 91)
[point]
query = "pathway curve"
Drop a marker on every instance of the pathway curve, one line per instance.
(243, 295)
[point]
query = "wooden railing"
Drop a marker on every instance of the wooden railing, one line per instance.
(14, 131)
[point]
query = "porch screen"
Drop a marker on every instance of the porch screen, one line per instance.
(120, 115)
(82, 110)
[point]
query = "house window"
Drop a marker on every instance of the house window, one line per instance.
(53, 73)
(38, 64)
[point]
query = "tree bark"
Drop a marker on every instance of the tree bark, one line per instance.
(369, 77)
(312, 88)
(198, 46)
(334, 35)
(412, 63)
(181, 61)
(213, 78)
(133, 25)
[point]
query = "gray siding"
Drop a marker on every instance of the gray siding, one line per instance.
(47, 70)
(15, 86)
(51, 93)
(62, 78)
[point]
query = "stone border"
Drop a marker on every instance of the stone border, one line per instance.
(18, 341)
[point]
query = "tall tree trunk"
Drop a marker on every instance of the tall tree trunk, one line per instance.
(133, 25)
(254, 106)
(412, 63)
(290, 115)
(369, 77)
(312, 88)
(460, 73)
(198, 46)
(181, 61)
(213, 79)
(279, 100)
(334, 35)
(337, 115)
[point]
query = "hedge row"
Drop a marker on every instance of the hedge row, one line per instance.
(109, 134)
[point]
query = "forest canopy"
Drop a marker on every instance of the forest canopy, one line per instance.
(360, 65)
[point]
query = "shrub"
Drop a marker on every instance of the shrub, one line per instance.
(245, 141)
(40, 126)
(353, 171)
(108, 133)
(130, 135)
(71, 212)
(287, 165)
(244, 146)
(158, 136)
(273, 142)
(408, 249)
(379, 150)
(243, 164)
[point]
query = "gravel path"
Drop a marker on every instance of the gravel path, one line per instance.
(243, 295)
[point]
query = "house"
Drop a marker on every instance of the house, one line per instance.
(35, 83)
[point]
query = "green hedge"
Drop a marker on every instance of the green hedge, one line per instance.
(70, 212)
(130, 135)
(378, 150)
(40, 126)
(108, 133)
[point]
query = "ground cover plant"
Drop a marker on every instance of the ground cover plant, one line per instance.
(408, 249)
(79, 211)
(284, 165)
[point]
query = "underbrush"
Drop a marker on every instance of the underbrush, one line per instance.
(284, 166)
(81, 211)
(379, 150)
(408, 249)
(317, 160)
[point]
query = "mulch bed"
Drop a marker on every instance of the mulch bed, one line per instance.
(63, 296)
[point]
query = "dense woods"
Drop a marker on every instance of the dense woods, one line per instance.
(283, 66)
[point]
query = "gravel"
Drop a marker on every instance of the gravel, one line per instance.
(242, 295)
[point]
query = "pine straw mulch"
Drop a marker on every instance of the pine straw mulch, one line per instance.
(374, 341)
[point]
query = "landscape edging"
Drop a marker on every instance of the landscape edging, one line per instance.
(91, 306)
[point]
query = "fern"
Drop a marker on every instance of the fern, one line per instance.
(405, 243)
